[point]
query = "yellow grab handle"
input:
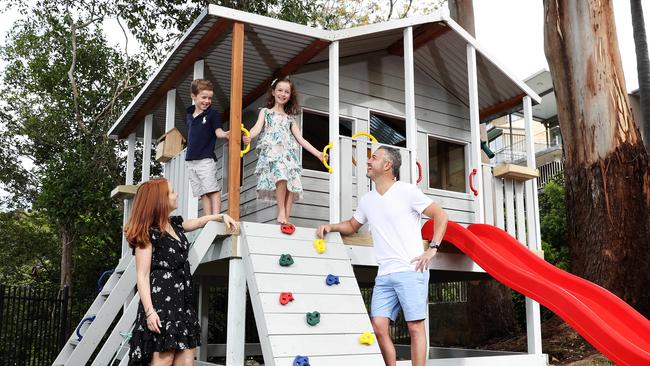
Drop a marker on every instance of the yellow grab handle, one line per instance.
(327, 147)
(248, 147)
(371, 137)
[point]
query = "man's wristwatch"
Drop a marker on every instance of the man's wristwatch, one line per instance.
(434, 245)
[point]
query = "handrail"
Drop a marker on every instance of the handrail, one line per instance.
(471, 182)
(326, 157)
(81, 323)
(248, 146)
(100, 286)
(371, 137)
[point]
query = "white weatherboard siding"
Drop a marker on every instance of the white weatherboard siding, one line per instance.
(283, 330)
(366, 85)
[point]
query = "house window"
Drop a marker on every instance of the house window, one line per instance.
(447, 165)
(315, 129)
(387, 129)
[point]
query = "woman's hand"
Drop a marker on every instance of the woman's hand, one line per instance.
(229, 221)
(153, 322)
(321, 156)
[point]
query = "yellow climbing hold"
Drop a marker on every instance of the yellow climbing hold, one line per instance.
(367, 338)
(319, 245)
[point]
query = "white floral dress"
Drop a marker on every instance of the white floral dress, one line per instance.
(277, 151)
(171, 295)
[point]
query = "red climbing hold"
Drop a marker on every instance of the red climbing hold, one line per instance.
(285, 297)
(287, 228)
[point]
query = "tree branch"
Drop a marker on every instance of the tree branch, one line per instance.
(71, 71)
(408, 8)
(390, 10)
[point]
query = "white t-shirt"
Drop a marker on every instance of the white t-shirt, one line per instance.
(394, 220)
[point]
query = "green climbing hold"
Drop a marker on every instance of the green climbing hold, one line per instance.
(313, 318)
(286, 260)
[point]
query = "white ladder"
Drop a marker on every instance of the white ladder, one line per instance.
(111, 299)
(100, 315)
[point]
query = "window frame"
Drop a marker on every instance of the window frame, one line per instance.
(391, 115)
(353, 120)
(466, 151)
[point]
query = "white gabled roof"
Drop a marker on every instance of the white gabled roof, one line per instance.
(270, 44)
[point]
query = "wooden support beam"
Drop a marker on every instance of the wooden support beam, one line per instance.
(212, 35)
(502, 106)
(234, 144)
(474, 121)
(335, 153)
(146, 148)
(130, 158)
(422, 35)
(293, 65)
(409, 106)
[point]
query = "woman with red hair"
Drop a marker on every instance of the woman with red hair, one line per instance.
(167, 329)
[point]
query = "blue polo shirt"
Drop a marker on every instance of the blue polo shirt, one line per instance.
(201, 136)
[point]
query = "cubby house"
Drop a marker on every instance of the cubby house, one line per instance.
(421, 84)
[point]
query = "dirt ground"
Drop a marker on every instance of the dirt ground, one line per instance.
(563, 345)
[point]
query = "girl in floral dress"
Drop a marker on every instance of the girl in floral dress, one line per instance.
(167, 329)
(278, 168)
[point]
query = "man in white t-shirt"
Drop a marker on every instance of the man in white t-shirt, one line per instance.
(393, 210)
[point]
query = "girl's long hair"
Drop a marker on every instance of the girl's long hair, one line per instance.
(292, 106)
(150, 209)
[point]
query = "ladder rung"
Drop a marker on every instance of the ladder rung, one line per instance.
(106, 292)
(74, 341)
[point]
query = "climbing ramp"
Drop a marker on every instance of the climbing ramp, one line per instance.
(117, 294)
(329, 338)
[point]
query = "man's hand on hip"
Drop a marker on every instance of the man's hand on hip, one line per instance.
(422, 261)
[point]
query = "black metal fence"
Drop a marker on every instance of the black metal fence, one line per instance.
(36, 323)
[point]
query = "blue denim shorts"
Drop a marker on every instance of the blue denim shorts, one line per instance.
(408, 290)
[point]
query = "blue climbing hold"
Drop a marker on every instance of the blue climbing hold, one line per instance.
(301, 361)
(332, 280)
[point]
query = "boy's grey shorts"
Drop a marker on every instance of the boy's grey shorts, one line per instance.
(203, 176)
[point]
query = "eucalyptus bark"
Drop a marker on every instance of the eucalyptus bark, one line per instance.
(605, 162)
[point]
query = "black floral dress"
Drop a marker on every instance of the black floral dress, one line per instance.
(171, 295)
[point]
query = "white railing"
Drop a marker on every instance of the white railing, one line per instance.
(548, 171)
(354, 182)
(509, 205)
(176, 173)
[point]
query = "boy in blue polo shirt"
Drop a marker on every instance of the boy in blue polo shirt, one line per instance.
(203, 129)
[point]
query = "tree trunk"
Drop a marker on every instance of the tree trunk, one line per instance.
(462, 12)
(642, 67)
(605, 162)
(66, 256)
(485, 298)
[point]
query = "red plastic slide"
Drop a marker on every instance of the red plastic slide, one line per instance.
(604, 320)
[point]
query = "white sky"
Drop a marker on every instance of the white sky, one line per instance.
(513, 32)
